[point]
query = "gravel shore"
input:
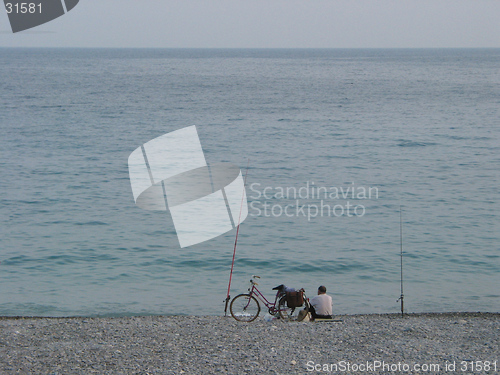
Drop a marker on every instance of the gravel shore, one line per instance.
(218, 345)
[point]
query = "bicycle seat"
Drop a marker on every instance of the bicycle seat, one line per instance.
(279, 287)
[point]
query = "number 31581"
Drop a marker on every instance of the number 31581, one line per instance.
(23, 8)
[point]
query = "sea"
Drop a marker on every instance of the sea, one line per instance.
(352, 157)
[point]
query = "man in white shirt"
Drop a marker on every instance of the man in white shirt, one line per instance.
(321, 305)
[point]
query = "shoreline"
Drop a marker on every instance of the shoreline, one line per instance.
(416, 314)
(215, 344)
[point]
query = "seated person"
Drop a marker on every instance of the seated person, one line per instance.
(321, 305)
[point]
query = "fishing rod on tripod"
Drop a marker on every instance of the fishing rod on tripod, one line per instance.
(401, 297)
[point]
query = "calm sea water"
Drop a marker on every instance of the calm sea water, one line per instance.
(418, 127)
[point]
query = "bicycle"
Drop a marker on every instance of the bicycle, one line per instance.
(245, 307)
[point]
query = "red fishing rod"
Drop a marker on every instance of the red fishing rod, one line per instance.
(236, 241)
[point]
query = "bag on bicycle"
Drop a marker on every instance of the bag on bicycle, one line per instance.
(295, 299)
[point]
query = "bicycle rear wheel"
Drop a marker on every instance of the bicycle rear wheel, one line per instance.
(244, 308)
(292, 313)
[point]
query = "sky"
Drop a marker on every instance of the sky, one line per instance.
(267, 24)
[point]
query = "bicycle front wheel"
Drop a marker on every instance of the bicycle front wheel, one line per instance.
(244, 308)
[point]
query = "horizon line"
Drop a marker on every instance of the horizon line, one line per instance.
(252, 48)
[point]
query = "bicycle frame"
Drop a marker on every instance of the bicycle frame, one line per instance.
(271, 306)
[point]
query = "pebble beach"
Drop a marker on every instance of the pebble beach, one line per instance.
(466, 343)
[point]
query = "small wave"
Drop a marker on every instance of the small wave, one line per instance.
(51, 260)
(92, 223)
(334, 267)
(409, 143)
(31, 309)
